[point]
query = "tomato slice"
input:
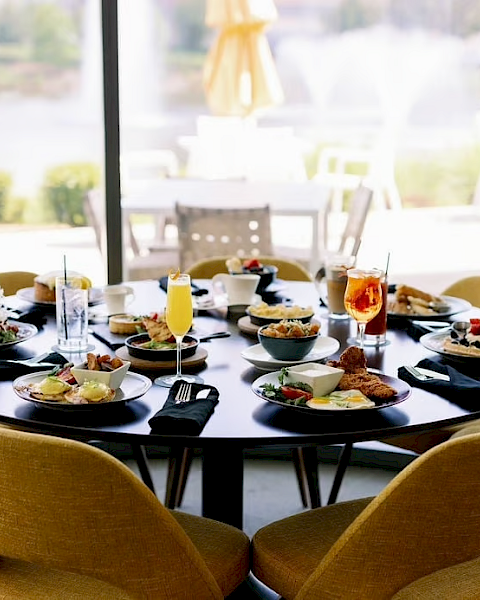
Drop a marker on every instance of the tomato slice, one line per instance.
(292, 393)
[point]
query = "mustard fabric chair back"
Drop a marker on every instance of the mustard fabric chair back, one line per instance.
(206, 232)
(425, 520)
(12, 281)
(287, 269)
(467, 289)
(68, 506)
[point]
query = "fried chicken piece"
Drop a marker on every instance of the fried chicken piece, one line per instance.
(368, 384)
(356, 376)
(352, 360)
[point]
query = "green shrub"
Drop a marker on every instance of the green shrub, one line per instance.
(5, 189)
(64, 189)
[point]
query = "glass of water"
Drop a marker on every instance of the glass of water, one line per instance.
(72, 315)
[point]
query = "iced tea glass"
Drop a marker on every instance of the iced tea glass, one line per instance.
(376, 329)
(363, 297)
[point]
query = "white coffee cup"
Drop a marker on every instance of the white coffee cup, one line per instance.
(240, 289)
(117, 298)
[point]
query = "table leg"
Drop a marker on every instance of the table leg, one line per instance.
(343, 463)
(222, 485)
(141, 457)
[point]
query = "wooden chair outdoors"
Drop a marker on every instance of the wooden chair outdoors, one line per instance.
(207, 232)
(416, 539)
(12, 281)
(287, 269)
(77, 523)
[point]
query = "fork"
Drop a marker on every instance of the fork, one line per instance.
(184, 393)
(423, 376)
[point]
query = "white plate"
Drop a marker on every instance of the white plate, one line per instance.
(260, 358)
(219, 301)
(434, 342)
(95, 296)
(454, 306)
(25, 332)
(403, 392)
(133, 386)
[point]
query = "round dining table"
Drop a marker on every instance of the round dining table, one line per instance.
(241, 419)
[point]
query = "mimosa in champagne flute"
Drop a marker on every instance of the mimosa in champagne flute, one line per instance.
(363, 297)
(179, 317)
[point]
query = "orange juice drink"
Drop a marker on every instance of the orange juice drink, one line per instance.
(179, 313)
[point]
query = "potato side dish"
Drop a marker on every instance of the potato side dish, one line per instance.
(291, 329)
(279, 311)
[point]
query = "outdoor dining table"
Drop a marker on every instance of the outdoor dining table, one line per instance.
(241, 420)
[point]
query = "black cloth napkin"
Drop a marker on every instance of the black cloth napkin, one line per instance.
(113, 340)
(9, 370)
(186, 418)
(196, 290)
(35, 316)
(462, 389)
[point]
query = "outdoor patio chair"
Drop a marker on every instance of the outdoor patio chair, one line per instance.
(416, 539)
(77, 523)
(206, 232)
(12, 281)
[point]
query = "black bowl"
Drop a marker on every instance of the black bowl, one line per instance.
(133, 344)
(287, 348)
(268, 274)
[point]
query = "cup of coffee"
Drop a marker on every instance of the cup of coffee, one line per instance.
(240, 288)
(117, 298)
(376, 329)
(336, 276)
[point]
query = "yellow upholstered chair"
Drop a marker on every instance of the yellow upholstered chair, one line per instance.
(467, 288)
(416, 539)
(77, 523)
(12, 281)
(287, 269)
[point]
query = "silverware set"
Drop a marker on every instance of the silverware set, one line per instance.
(184, 393)
(426, 375)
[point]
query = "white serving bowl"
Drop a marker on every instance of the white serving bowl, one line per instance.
(113, 378)
(322, 378)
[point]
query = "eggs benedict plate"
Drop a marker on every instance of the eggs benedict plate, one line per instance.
(49, 391)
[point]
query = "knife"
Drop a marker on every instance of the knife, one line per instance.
(433, 374)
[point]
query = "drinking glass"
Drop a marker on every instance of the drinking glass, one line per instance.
(363, 297)
(72, 315)
(179, 316)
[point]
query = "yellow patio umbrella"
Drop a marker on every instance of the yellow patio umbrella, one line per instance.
(240, 76)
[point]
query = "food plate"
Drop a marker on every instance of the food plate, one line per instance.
(25, 332)
(455, 305)
(95, 296)
(403, 392)
(134, 385)
(434, 342)
(260, 358)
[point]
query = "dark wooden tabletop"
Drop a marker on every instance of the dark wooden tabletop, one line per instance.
(241, 419)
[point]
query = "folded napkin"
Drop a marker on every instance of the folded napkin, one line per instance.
(461, 389)
(34, 316)
(186, 418)
(196, 290)
(113, 340)
(12, 370)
